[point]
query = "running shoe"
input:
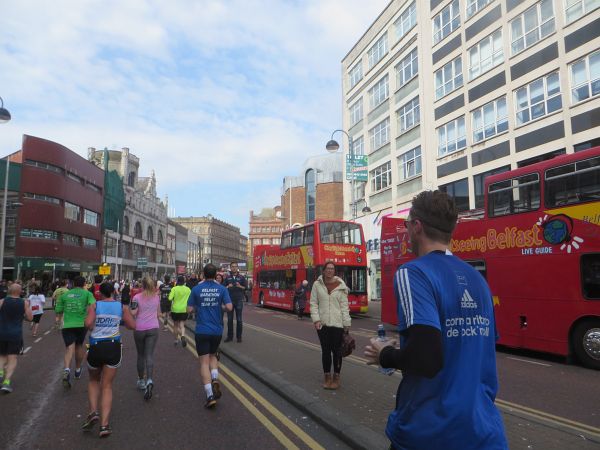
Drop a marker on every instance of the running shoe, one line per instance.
(149, 387)
(78, 373)
(105, 431)
(6, 387)
(90, 421)
(210, 402)
(216, 387)
(183, 341)
(66, 379)
(141, 384)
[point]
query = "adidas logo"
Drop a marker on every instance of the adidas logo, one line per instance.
(467, 301)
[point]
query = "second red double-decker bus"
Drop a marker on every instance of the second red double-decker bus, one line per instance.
(538, 245)
(278, 270)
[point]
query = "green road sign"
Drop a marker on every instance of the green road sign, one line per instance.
(359, 171)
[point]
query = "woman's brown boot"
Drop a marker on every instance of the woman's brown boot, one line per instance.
(335, 383)
(327, 383)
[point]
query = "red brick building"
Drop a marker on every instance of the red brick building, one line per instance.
(59, 225)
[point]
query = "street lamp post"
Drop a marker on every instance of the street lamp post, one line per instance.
(4, 117)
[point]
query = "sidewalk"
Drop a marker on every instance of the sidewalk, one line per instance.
(357, 412)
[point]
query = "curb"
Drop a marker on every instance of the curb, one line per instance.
(350, 432)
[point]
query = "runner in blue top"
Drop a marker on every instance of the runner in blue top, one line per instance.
(207, 300)
(104, 355)
(447, 333)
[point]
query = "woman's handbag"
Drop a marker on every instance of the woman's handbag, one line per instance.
(348, 344)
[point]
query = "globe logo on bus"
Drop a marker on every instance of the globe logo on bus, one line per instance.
(555, 231)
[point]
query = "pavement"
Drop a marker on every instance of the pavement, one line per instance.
(357, 412)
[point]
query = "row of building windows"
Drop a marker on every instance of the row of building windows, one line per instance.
(532, 101)
(265, 229)
(67, 239)
(528, 28)
(138, 232)
(60, 170)
(72, 211)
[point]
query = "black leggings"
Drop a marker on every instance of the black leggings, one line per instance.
(331, 343)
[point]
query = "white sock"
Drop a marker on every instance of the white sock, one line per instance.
(214, 374)
(149, 381)
(67, 369)
(208, 390)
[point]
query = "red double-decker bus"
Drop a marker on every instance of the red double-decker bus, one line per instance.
(278, 270)
(537, 242)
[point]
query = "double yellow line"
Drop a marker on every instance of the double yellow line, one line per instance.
(260, 416)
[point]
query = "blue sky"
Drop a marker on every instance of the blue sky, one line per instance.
(221, 98)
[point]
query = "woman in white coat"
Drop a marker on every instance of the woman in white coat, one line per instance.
(330, 314)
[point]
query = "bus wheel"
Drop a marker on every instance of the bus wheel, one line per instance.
(586, 343)
(261, 300)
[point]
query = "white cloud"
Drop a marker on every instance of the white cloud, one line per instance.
(208, 93)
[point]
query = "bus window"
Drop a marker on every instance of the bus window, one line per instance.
(340, 233)
(277, 279)
(479, 266)
(517, 195)
(590, 276)
(297, 236)
(354, 277)
(573, 183)
(309, 233)
(286, 239)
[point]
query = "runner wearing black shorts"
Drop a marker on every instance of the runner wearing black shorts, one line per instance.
(207, 344)
(105, 353)
(165, 303)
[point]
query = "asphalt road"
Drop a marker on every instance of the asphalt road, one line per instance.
(41, 414)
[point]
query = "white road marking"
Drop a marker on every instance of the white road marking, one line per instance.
(37, 340)
(26, 350)
(530, 362)
(47, 332)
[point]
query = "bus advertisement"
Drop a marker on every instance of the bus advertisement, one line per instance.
(279, 269)
(537, 243)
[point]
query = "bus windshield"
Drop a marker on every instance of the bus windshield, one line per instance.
(340, 233)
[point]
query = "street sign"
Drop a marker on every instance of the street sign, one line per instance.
(104, 270)
(359, 170)
(142, 262)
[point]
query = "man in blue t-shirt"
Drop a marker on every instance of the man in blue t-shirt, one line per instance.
(447, 351)
(207, 300)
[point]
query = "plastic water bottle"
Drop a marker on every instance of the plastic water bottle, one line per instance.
(381, 337)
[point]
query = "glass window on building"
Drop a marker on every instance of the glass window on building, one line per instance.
(407, 68)
(91, 218)
(356, 112)
(452, 136)
(446, 21)
(538, 98)
(355, 74)
(409, 164)
(358, 145)
(90, 243)
(72, 212)
(486, 54)
(459, 190)
(448, 78)
(585, 77)
(379, 135)
(379, 92)
(377, 51)
(574, 9)
(409, 115)
(533, 25)
(310, 182)
(489, 120)
(479, 184)
(381, 177)
(475, 5)
(71, 239)
(406, 21)
(138, 230)
(39, 234)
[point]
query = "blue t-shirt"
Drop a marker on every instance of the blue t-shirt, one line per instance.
(207, 298)
(108, 319)
(455, 409)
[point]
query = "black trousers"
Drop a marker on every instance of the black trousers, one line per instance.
(238, 306)
(331, 348)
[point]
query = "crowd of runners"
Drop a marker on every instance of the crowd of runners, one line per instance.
(101, 309)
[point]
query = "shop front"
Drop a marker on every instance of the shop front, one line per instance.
(47, 270)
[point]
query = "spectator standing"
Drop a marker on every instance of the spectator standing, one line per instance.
(236, 285)
(13, 309)
(447, 335)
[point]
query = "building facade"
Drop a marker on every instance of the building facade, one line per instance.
(58, 224)
(441, 94)
(265, 229)
(142, 243)
(220, 240)
(316, 193)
